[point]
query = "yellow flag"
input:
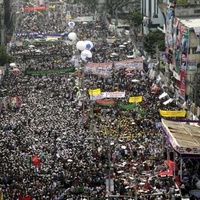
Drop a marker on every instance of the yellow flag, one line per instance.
(52, 6)
(136, 99)
(172, 113)
(94, 92)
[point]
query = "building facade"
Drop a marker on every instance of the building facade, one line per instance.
(152, 16)
(182, 40)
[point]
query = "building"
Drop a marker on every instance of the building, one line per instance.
(152, 16)
(182, 39)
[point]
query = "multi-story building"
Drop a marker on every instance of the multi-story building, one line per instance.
(182, 38)
(152, 16)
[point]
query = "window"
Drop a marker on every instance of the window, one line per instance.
(197, 11)
(194, 50)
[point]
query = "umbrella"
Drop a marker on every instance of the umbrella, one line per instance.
(38, 51)
(12, 65)
(131, 56)
(114, 54)
(134, 80)
(31, 46)
(122, 46)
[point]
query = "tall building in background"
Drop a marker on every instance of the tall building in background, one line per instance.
(152, 16)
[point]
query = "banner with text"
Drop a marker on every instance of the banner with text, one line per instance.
(172, 113)
(106, 69)
(50, 71)
(94, 92)
(108, 95)
(136, 99)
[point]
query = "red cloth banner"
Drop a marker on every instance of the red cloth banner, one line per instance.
(36, 161)
(35, 8)
(182, 82)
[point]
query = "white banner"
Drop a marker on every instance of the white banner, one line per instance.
(112, 95)
(106, 69)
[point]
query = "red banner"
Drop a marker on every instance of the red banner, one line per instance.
(35, 8)
(182, 82)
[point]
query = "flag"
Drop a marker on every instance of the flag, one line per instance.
(36, 161)
(94, 92)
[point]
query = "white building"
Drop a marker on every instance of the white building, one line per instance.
(151, 15)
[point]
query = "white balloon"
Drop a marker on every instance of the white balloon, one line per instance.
(72, 36)
(86, 54)
(80, 45)
(88, 45)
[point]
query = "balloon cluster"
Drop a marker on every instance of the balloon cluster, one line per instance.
(83, 46)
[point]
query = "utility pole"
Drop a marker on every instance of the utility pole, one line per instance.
(157, 58)
(2, 23)
(132, 34)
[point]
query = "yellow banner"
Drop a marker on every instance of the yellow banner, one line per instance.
(94, 92)
(172, 113)
(136, 99)
(52, 6)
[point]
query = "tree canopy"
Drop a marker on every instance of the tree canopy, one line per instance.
(91, 4)
(135, 17)
(153, 39)
(4, 57)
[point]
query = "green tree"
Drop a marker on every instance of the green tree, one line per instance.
(4, 57)
(135, 17)
(113, 6)
(91, 4)
(183, 2)
(153, 39)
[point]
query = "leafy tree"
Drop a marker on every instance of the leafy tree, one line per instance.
(4, 57)
(153, 39)
(135, 17)
(91, 4)
(112, 6)
(180, 1)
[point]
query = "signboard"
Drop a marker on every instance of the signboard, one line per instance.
(192, 65)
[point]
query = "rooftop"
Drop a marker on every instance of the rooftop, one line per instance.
(185, 138)
(190, 22)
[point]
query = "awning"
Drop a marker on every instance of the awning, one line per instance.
(197, 31)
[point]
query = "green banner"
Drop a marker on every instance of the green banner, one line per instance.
(127, 106)
(132, 106)
(50, 71)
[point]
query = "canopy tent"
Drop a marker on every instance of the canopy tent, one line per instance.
(184, 137)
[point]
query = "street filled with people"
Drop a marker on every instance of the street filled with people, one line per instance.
(58, 139)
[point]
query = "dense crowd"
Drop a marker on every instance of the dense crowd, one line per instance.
(78, 144)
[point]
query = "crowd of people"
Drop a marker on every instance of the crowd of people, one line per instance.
(57, 146)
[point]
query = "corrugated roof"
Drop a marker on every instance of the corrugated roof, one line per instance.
(183, 137)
